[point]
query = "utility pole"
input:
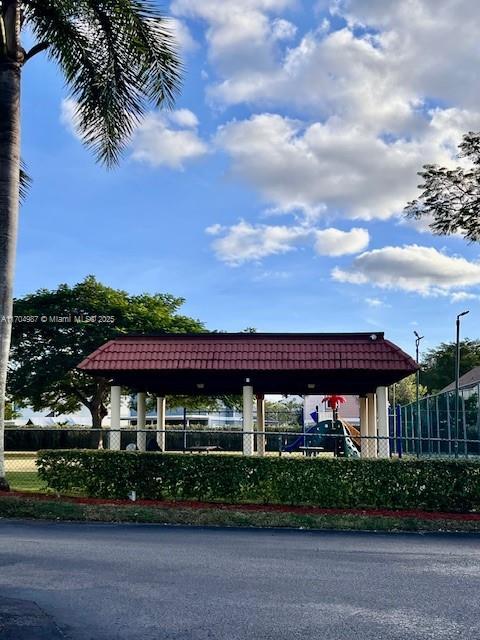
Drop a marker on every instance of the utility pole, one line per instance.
(457, 378)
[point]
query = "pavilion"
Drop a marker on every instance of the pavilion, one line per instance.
(254, 364)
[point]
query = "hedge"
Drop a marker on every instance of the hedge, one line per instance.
(34, 438)
(435, 485)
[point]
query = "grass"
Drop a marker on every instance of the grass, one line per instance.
(21, 472)
(25, 481)
(16, 507)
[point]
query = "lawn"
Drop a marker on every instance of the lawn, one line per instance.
(22, 472)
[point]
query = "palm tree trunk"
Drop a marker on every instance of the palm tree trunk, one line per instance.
(9, 203)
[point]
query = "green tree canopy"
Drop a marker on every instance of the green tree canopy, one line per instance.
(46, 351)
(406, 390)
(450, 198)
(438, 365)
(10, 411)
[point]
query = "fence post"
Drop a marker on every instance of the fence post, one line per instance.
(398, 416)
(114, 440)
(383, 448)
(141, 415)
(260, 424)
(449, 425)
(248, 419)
(161, 435)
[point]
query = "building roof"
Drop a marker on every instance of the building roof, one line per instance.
(249, 352)
(221, 355)
(467, 380)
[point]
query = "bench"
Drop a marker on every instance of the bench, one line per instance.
(203, 449)
(311, 451)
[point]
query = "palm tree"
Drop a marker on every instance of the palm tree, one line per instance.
(118, 58)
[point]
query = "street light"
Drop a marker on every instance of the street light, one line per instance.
(457, 377)
(417, 384)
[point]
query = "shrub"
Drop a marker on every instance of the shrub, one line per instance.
(452, 485)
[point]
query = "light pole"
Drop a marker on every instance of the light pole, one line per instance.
(417, 384)
(457, 377)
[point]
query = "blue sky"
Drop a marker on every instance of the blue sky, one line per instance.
(272, 196)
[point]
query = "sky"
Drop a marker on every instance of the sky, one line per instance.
(272, 196)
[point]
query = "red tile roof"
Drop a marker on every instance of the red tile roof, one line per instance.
(249, 352)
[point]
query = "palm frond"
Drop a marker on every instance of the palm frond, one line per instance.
(25, 181)
(118, 58)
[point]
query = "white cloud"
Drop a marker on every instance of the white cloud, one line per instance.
(214, 229)
(283, 29)
(334, 242)
(244, 242)
(461, 296)
(375, 303)
(183, 118)
(241, 37)
(336, 168)
(411, 268)
(182, 35)
(68, 116)
(156, 142)
(362, 92)
(379, 68)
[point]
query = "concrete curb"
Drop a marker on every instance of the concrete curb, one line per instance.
(24, 620)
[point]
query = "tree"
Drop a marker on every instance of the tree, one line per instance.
(406, 391)
(58, 329)
(438, 366)
(117, 57)
(451, 197)
(10, 411)
(287, 410)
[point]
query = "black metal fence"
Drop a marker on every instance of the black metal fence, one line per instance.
(431, 429)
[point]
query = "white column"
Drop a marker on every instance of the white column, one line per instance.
(260, 424)
(383, 431)
(247, 420)
(141, 413)
(161, 435)
(372, 425)
(115, 399)
(363, 426)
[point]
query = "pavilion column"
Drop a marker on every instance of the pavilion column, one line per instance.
(161, 435)
(141, 422)
(115, 403)
(248, 440)
(383, 430)
(363, 426)
(260, 424)
(372, 425)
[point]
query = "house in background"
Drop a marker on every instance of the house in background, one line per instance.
(469, 379)
(350, 411)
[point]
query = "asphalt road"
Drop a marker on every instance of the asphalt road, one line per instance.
(102, 582)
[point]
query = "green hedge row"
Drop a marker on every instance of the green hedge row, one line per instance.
(390, 484)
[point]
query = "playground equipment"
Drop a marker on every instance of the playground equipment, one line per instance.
(332, 403)
(334, 436)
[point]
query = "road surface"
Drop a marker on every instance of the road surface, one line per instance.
(141, 582)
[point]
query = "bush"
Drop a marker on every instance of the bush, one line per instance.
(435, 485)
(34, 438)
